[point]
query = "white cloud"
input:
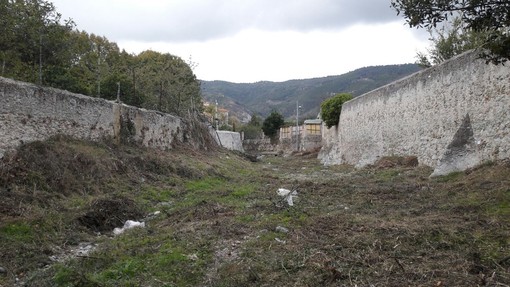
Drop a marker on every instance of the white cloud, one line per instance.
(253, 40)
(198, 20)
(255, 55)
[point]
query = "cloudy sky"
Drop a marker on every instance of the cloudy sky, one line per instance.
(255, 40)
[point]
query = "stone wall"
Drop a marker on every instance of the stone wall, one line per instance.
(29, 113)
(256, 146)
(310, 142)
(283, 145)
(330, 147)
(452, 117)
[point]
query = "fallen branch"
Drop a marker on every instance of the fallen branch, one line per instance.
(88, 257)
(399, 264)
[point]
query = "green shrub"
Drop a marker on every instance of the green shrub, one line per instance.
(332, 107)
(253, 129)
(251, 132)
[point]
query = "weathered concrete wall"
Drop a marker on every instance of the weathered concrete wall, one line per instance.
(230, 140)
(452, 117)
(286, 143)
(29, 113)
(306, 143)
(311, 142)
(255, 146)
(283, 145)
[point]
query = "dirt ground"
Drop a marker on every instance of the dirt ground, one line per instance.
(215, 219)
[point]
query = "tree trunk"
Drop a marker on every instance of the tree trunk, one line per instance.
(40, 58)
(134, 85)
(160, 95)
(98, 71)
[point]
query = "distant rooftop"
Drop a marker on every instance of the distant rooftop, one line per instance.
(314, 121)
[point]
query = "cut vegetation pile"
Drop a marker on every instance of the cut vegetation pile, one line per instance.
(215, 219)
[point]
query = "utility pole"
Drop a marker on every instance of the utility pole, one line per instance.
(98, 70)
(134, 83)
(160, 94)
(297, 125)
(118, 92)
(40, 57)
(216, 115)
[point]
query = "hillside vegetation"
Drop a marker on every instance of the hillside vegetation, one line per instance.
(37, 46)
(215, 219)
(263, 97)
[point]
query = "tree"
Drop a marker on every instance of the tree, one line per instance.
(448, 41)
(32, 39)
(332, 107)
(168, 82)
(255, 121)
(272, 124)
(252, 129)
(492, 18)
(37, 46)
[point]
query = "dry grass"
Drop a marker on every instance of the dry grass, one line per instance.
(388, 225)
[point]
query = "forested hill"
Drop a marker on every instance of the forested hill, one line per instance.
(262, 97)
(38, 46)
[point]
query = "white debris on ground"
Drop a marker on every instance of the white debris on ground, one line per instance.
(192, 257)
(287, 195)
(129, 224)
(84, 249)
(280, 241)
(152, 216)
(282, 229)
(69, 252)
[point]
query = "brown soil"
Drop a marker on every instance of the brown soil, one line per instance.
(103, 215)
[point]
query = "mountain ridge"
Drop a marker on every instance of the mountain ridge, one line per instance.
(245, 99)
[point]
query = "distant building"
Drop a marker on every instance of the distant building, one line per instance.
(313, 127)
(309, 135)
(216, 115)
